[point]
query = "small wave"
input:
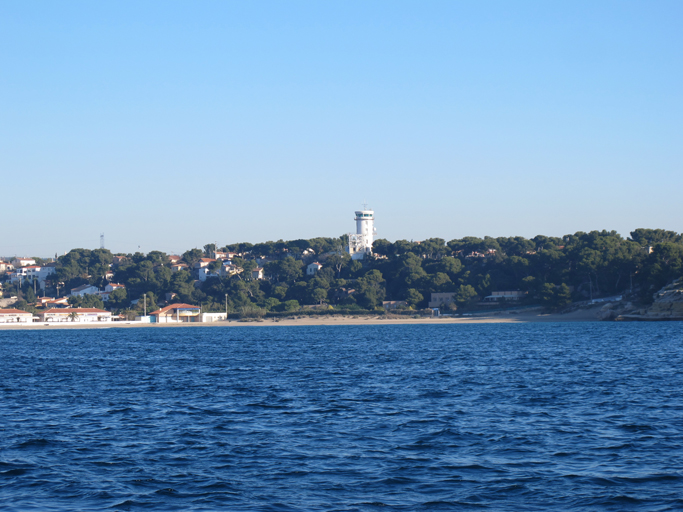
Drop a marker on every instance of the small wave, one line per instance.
(632, 427)
(14, 472)
(167, 491)
(651, 478)
(35, 443)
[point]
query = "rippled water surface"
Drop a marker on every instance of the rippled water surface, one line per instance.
(584, 416)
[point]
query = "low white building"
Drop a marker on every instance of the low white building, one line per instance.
(85, 289)
(313, 268)
(23, 262)
(514, 295)
(13, 316)
(83, 315)
(213, 317)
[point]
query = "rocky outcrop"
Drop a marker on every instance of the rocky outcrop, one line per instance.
(613, 310)
(667, 305)
(5, 303)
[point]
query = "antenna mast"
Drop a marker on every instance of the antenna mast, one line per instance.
(101, 240)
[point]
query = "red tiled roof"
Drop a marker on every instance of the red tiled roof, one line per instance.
(12, 312)
(174, 306)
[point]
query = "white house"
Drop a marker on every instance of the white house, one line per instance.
(13, 316)
(257, 273)
(204, 262)
(228, 269)
(204, 273)
(23, 262)
(104, 295)
(5, 267)
(222, 255)
(313, 268)
(32, 272)
(85, 289)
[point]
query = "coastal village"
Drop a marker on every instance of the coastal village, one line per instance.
(354, 274)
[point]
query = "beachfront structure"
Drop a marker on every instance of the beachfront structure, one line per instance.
(439, 300)
(177, 313)
(360, 242)
(13, 316)
(394, 304)
(83, 315)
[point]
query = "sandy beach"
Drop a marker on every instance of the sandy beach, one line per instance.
(582, 315)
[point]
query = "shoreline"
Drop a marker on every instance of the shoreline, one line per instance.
(584, 315)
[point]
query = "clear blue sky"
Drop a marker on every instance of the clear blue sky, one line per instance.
(171, 124)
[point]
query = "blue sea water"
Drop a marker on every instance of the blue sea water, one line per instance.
(580, 416)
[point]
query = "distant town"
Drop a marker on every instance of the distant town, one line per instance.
(357, 273)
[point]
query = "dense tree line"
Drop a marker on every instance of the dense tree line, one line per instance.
(553, 271)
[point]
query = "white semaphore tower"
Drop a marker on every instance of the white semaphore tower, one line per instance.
(360, 243)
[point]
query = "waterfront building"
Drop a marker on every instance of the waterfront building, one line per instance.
(83, 315)
(13, 316)
(441, 299)
(177, 313)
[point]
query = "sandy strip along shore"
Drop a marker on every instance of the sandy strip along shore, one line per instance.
(584, 315)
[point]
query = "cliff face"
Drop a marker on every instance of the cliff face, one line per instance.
(668, 301)
(667, 305)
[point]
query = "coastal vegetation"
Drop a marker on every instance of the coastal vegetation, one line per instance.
(551, 271)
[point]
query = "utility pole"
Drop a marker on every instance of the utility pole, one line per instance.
(145, 295)
(226, 306)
